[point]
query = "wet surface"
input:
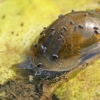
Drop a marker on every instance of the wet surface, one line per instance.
(18, 91)
(26, 87)
(22, 87)
(17, 23)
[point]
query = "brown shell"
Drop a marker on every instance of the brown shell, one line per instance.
(62, 43)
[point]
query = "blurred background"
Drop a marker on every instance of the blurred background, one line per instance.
(21, 21)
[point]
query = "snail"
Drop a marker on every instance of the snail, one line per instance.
(71, 40)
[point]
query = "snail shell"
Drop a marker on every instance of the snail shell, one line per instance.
(62, 45)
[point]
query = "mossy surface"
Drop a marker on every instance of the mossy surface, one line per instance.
(83, 86)
(21, 21)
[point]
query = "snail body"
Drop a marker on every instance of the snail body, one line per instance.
(68, 42)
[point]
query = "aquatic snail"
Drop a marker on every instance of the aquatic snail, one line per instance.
(73, 39)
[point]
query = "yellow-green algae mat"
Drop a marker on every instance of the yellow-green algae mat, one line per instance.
(83, 86)
(21, 21)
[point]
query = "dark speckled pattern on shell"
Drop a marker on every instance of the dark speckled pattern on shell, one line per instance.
(66, 38)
